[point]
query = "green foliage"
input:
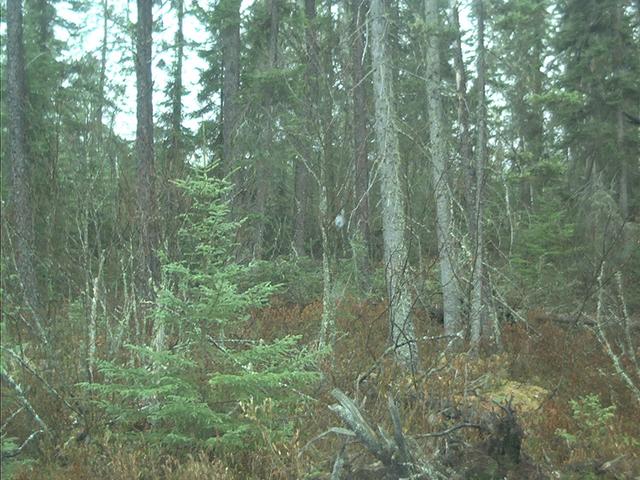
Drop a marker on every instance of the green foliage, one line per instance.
(299, 279)
(544, 248)
(196, 394)
(592, 423)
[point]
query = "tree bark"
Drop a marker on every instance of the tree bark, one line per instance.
(477, 311)
(438, 151)
(230, 38)
(21, 195)
(172, 163)
(393, 209)
(300, 207)
(103, 66)
(464, 142)
(175, 156)
(623, 182)
(149, 272)
(360, 131)
(262, 177)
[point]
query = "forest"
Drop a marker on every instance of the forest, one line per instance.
(320, 239)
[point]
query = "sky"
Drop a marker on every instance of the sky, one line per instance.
(120, 63)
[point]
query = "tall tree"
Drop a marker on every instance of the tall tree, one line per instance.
(21, 200)
(262, 177)
(477, 312)
(359, 131)
(149, 271)
(103, 66)
(301, 179)
(464, 133)
(521, 28)
(438, 153)
(171, 159)
(393, 205)
(230, 43)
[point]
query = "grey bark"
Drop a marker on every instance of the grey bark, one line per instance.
(393, 208)
(464, 142)
(477, 312)
(176, 97)
(230, 38)
(300, 207)
(623, 182)
(360, 129)
(438, 152)
(149, 272)
(21, 195)
(174, 164)
(262, 177)
(103, 66)
(317, 109)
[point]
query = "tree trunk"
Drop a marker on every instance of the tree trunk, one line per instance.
(21, 200)
(360, 131)
(623, 181)
(173, 167)
(318, 124)
(393, 208)
(103, 66)
(262, 177)
(230, 39)
(300, 207)
(175, 156)
(464, 142)
(149, 272)
(438, 151)
(477, 314)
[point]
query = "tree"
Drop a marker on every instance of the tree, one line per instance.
(149, 269)
(360, 129)
(21, 199)
(393, 206)
(438, 153)
(230, 44)
(477, 314)
(522, 29)
(262, 179)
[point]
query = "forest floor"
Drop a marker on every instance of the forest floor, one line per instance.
(554, 380)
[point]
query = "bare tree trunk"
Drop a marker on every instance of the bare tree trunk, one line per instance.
(438, 150)
(320, 118)
(623, 194)
(464, 143)
(360, 131)
(262, 179)
(103, 66)
(21, 199)
(477, 311)
(623, 182)
(230, 37)
(176, 98)
(393, 208)
(149, 273)
(173, 167)
(300, 207)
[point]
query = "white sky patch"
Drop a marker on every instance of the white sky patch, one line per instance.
(120, 59)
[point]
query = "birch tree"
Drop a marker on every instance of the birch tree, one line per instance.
(393, 206)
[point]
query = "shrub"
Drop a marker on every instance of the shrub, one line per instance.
(208, 390)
